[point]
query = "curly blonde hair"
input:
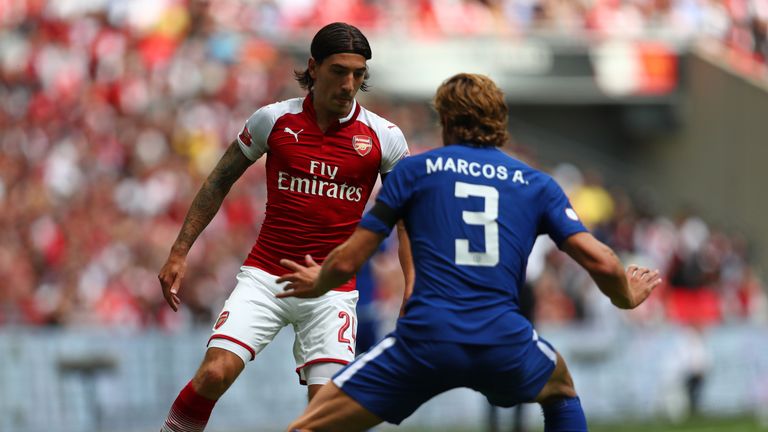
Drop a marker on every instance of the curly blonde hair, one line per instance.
(472, 110)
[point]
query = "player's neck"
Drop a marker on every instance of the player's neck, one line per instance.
(327, 118)
(448, 139)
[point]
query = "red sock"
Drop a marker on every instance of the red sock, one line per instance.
(189, 412)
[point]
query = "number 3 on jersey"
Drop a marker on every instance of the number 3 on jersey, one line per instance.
(486, 219)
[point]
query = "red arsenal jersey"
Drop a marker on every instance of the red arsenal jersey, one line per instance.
(317, 183)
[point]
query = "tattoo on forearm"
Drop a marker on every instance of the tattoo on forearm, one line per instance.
(210, 196)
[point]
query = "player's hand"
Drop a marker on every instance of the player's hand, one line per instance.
(170, 279)
(301, 283)
(642, 281)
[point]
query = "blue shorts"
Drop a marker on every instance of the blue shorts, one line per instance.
(397, 375)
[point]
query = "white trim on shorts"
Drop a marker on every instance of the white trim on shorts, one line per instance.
(320, 372)
(301, 371)
(358, 364)
(233, 345)
(545, 348)
(252, 316)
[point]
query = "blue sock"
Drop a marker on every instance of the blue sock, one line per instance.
(564, 415)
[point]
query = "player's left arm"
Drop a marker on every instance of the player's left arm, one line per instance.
(406, 259)
(406, 263)
(312, 280)
(628, 288)
(398, 149)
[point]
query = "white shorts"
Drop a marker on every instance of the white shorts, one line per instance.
(325, 327)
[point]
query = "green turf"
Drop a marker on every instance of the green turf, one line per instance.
(701, 424)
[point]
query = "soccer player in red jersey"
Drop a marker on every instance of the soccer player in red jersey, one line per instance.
(324, 153)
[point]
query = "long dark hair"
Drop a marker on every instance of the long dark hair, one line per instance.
(333, 39)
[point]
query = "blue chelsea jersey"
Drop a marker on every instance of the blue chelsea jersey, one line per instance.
(472, 215)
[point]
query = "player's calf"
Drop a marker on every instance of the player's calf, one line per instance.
(193, 406)
(189, 413)
(561, 406)
(564, 415)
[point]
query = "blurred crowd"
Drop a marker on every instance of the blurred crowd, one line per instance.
(112, 112)
(706, 270)
(741, 23)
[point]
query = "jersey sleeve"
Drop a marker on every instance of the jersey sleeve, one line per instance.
(253, 138)
(393, 197)
(393, 148)
(558, 220)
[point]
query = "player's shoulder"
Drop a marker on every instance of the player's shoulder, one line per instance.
(278, 109)
(379, 124)
(417, 165)
(516, 164)
(542, 182)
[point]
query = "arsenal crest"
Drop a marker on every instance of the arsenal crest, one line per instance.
(362, 144)
(222, 319)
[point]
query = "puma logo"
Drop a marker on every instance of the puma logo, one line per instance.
(295, 134)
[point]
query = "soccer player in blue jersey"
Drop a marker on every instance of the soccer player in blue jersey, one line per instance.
(472, 213)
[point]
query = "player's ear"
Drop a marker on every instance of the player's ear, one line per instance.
(312, 68)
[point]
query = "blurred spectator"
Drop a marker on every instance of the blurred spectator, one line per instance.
(591, 201)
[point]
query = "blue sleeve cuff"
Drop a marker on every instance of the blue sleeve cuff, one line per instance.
(562, 237)
(372, 223)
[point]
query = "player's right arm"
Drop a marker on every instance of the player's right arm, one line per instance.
(628, 288)
(204, 207)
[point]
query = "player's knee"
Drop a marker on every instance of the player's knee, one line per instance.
(218, 371)
(559, 386)
(556, 391)
(212, 380)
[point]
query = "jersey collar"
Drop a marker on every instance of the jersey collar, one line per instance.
(352, 114)
(309, 108)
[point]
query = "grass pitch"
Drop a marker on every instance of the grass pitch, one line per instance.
(699, 424)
